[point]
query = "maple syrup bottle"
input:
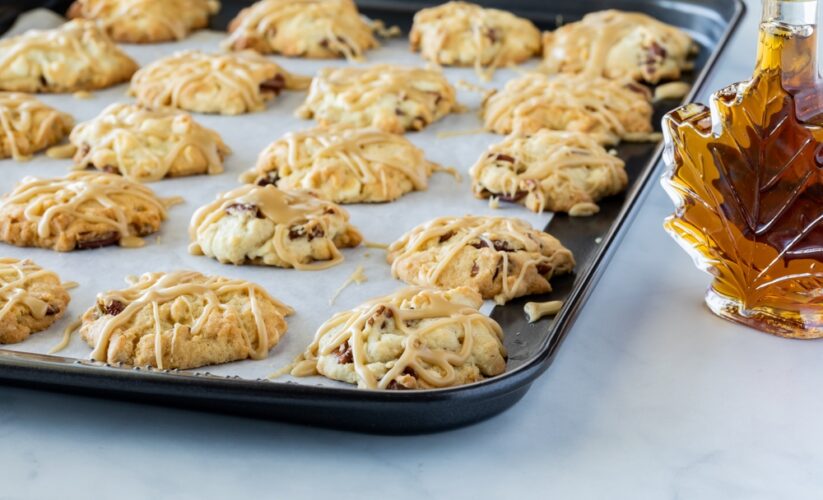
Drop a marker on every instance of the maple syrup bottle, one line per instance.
(746, 177)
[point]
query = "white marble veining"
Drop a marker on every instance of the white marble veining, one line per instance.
(650, 397)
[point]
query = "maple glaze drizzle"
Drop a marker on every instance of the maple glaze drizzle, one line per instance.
(169, 81)
(173, 15)
(284, 209)
(461, 232)
(409, 309)
(538, 97)
(344, 30)
(366, 153)
(143, 144)
(20, 113)
(81, 195)
(153, 290)
(14, 275)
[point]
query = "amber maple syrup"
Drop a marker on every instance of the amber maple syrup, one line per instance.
(746, 176)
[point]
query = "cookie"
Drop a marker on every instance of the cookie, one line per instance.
(27, 125)
(388, 97)
(610, 110)
(147, 145)
(619, 45)
(417, 338)
(465, 34)
(501, 257)
(549, 170)
(31, 299)
(229, 84)
(146, 21)
(317, 29)
(76, 56)
(79, 211)
(182, 320)
(266, 226)
(344, 165)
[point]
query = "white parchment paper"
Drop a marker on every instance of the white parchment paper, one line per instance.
(308, 292)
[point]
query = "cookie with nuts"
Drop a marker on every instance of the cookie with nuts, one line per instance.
(619, 45)
(417, 338)
(228, 84)
(27, 125)
(146, 21)
(344, 165)
(465, 34)
(317, 29)
(82, 210)
(76, 56)
(388, 97)
(31, 299)
(500, 257)
(549, 170)
(147, 145)
(266, 226)
(182, 320)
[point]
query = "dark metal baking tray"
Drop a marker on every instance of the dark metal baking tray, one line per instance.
(531, 346)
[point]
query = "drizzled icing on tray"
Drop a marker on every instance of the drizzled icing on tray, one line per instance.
(501, 234)
(416, 314)
(26, 124)
(285, 209)
(14, 276)
(144, 144)
(611, 111)
(82, 196)
(365, 153)
(194, 299)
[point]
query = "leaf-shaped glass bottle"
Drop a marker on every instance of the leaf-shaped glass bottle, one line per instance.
(746, 176)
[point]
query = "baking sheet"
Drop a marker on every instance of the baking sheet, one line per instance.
(308, 292)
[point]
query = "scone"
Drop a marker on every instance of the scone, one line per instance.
(183, 320)
(79, 211)
(616, 44)
(302, 28)
(31, 299)
(264, 225)
(344, 165)
(147, 145)
(500, 257)
(76, 56)
(417, 338)
(146, 21)
(465, 34)
(388, 97)
(228, 84)
(27, 125)
(610, 110)
(549, 170)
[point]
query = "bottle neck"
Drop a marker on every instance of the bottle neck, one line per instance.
(788, 42)
(790, 12)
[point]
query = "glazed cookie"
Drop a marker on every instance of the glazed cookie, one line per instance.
(79, 211)
(549, 170)
(147, 145)
(76, 56)
(31, 299)
(417, 338)
(464, 34)
(228, 84)
(609, 110)
(146, 21)
(344, 165)
(27, 125)
(267, 226)
(619, 45)
(302, 28)
(501, 257)
(183, 320)
(388, 97)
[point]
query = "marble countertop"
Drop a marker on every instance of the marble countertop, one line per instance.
(650, 397)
